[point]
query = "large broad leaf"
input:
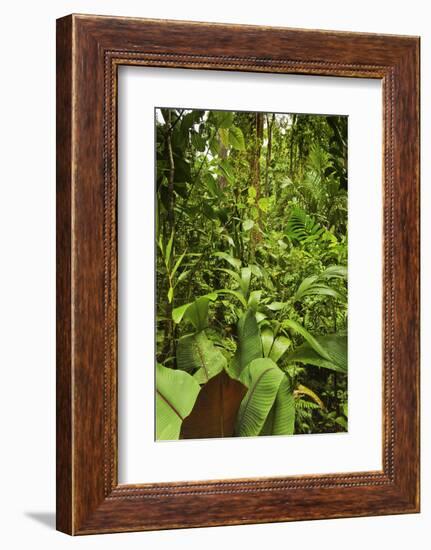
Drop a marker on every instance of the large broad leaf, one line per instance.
(236, 138)
(274, 347)
(249, 344)
(334, 271)
(195, 352)
(176, 393)
(215, 410)
(262, 378)
(224, 119)
(313, 286)
(335, 348)
(313, 342)
(234, 262)
(281, 420)
(195, 312)
(245, 281)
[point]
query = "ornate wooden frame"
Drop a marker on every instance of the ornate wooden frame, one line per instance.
(89, 51)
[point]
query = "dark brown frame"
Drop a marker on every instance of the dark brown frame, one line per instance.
(89, 51)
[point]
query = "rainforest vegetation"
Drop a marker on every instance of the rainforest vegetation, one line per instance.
(251, 274)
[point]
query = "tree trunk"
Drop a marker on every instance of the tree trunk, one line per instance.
(255, 177)
(168, 342)
(268, 152)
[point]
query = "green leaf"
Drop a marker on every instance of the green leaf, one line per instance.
(211, 184)
(238, 295)
(170, 294)
(169, 248)
(224, 136)
(312, 341)
(263, 204)
(342, 422)
(198, 142)
(197, 352)
(334, 347)
(279, 347)
(226, 169)
(236, 138)
(190, 119)
(177, 264)
(252, 192)
(334, 271)
(247, 225)
(235, 276)
(284, 410)
(249, 344)
(262, 378)
(199, 311)
(254, 299)
(274, 348)
(230, 259)
(312, 286)
(224, 119)
(176, 393)
(276, 306)
(182, 276)
(245, 280)
(267, 337)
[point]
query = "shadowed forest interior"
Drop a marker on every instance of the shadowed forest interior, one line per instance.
(251, 273)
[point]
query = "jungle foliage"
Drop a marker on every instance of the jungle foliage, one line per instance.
(251, 283)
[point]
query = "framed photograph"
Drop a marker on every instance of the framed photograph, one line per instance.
(237, 274)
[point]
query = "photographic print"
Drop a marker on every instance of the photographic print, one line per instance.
(251, 273)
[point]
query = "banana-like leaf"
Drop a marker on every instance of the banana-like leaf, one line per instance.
(284, 410)
(312, 341)
(196, 312)
(334, 271)
(234, 262)
(313, 286)
(335, 348)
(245, 281)
(254, 299)
(276, 306)
(176, 393)
(267, 337)
(262, 378)
(249, 345)
(274, 348)
(195, 352)
(215, 410)
(279, 347)
(238, 295)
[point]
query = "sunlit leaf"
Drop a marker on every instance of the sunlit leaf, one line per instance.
(176, 393)
(235, 262)
(236, 138)
(195, 352)
(334, 356)
(262, 378)
(249, 345)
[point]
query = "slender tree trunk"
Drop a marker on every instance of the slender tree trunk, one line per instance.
(292, 146)
(255, 177)
(171, 175)
(169, 326)
(268, 152)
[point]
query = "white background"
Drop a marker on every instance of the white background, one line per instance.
(27, 123)
(141, 458)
